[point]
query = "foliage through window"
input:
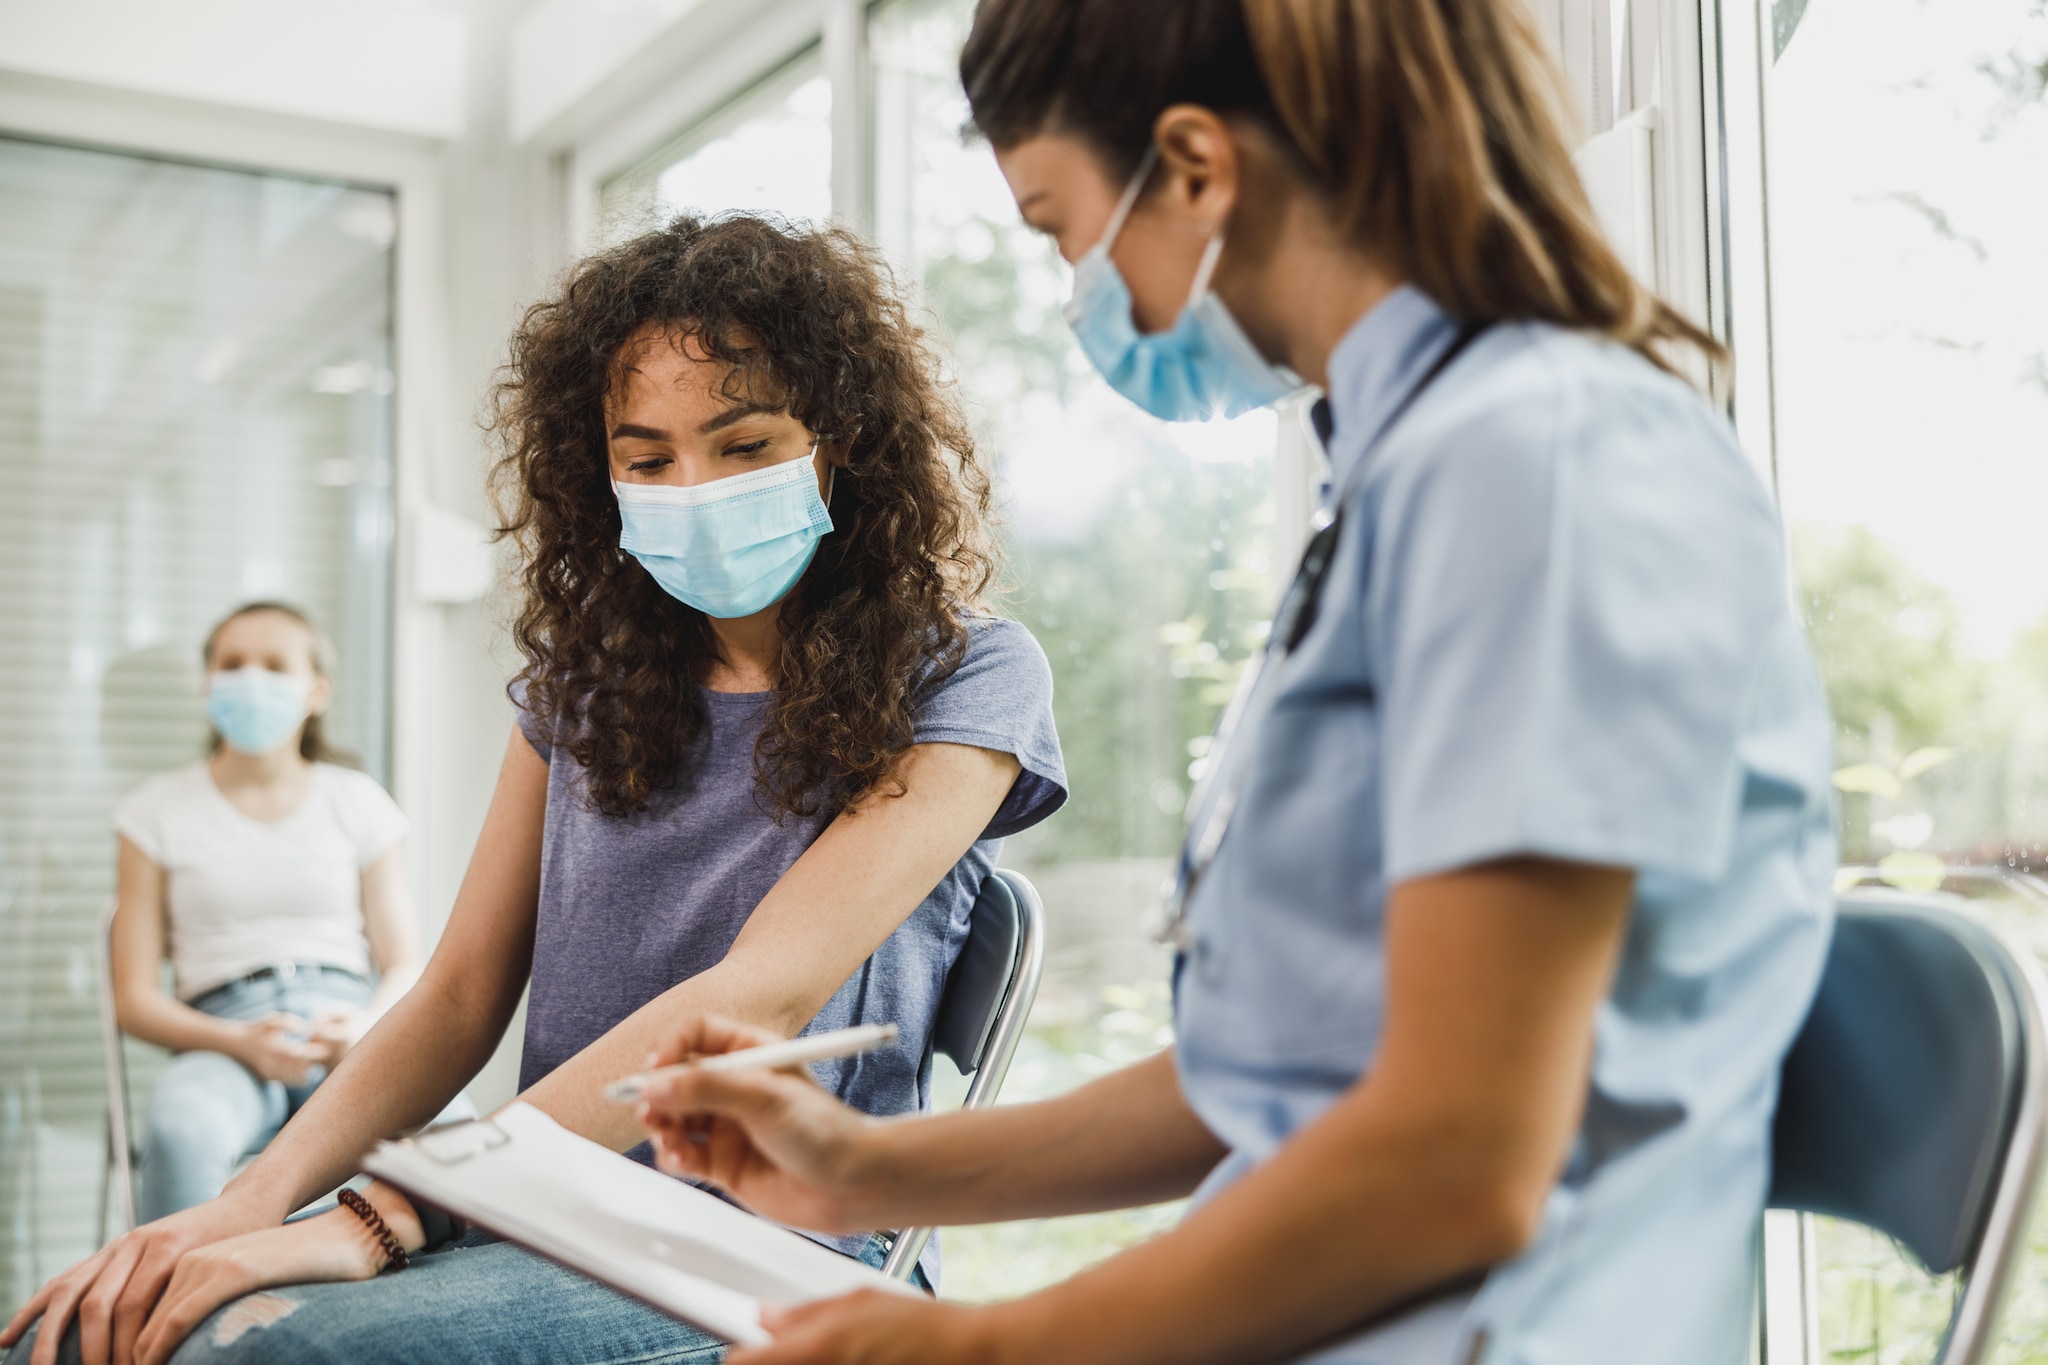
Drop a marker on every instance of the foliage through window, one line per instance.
(1909, 286)
(1142, 561)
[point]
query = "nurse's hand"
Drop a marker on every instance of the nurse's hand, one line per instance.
(774, 1140)
(876, 1328)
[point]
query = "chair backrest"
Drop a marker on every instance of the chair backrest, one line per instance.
(982, 1012)
(979, 983)
(1912, 1100)
(117, 1213)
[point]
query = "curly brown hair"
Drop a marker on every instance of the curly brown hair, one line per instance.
(810, 317)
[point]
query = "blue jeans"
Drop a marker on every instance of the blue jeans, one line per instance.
(209, 1111)
(480, 1301)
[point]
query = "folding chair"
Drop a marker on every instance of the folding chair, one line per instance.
(117, 1195)
(1915, 1097)
(982, 1013)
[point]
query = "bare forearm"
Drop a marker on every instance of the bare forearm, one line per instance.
(156, 1018)
(392, 985)
(1435, 1165)
(573, 1093)
(1358, 1214)
(1126, 1139)
(387, 1083)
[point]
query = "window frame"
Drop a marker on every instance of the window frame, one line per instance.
(688, 95)
(409, 169)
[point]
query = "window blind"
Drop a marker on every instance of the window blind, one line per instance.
(195, 410)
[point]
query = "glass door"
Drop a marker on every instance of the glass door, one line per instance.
(195, 410)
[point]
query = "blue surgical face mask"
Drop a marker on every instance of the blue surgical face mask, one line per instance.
(1203, 366)
(731, 547)
(256, 710)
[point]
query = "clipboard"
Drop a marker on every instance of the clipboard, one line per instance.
(665, 1243)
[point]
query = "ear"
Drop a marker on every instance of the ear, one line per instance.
(319, 695)
(1199, 154)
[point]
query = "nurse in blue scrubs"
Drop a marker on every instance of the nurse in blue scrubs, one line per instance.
(1510, 886)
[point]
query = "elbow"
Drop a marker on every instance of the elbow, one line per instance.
(1497, 1216)
(130, 1013)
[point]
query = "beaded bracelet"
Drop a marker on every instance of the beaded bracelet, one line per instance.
(394, 1253)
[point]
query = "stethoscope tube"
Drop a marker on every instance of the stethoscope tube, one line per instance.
(1209, 817)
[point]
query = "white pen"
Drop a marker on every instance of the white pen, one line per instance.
(818, 1047)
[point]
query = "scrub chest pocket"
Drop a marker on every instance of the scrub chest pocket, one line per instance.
(1285, 958)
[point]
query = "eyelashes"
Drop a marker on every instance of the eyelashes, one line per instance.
(651, 463)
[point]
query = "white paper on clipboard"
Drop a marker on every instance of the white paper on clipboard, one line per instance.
(678, 1249)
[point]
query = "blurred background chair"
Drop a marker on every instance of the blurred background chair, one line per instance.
(117, 1195)
(981, 1015)
(1913, 1098)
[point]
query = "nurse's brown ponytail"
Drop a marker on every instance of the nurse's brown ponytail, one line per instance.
(1433, 128)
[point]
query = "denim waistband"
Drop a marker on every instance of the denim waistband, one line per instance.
(279, 971)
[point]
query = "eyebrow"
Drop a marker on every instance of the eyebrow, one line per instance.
(737, 413)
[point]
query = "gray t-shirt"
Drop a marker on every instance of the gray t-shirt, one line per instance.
(630, 906)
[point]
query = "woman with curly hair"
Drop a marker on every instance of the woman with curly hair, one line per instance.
(767, 743)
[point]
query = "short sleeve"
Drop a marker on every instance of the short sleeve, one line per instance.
(1570, 616)
(530, 725)
(140, 819)
(374, 821)
(1000, 698)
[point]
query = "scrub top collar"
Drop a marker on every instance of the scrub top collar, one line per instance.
(1375, 365)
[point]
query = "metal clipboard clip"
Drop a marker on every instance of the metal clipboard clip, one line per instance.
(458, 1142)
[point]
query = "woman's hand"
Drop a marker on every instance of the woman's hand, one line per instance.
(334, 1246)
(112, 1292)
(336, 1031)
(278, 1048)
(876, 1328)
(772, 1139)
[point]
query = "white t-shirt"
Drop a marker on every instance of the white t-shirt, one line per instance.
(245, 894)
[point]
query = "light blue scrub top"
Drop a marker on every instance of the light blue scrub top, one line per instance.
(1557, 623)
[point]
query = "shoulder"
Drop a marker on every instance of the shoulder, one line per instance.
(166, 791)
(999, 641)
(1000, 655)
(540, 734)
(361, 809)
(1537, 395)
(146, 815)
(1553, 421)
(1000, 698)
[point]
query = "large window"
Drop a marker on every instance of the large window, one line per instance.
(1909, 286)
(770, 151)
(195, 410)
(1141, 559)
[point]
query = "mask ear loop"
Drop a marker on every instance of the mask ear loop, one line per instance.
(1130, 197)
(1203, 272)
(831, 471)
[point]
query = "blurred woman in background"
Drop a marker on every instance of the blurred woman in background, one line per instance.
(271, 876)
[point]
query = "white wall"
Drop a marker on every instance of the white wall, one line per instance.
(375, 65)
